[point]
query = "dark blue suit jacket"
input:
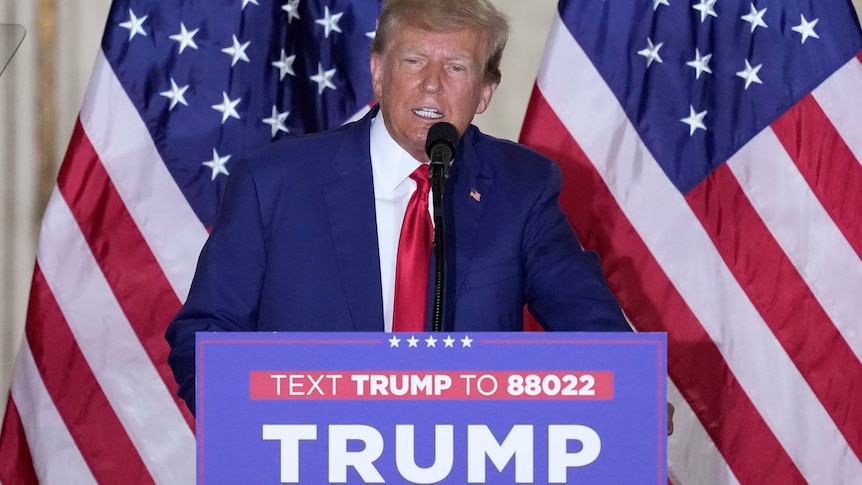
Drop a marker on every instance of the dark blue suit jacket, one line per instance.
(294, 247)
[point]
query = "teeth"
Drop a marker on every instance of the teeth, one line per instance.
(431, 114)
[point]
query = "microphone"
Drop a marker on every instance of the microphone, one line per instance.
(440, 147)
(440, 144)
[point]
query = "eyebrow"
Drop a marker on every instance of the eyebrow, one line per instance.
(450, 56)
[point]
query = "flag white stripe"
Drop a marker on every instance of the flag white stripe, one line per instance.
(138, 395)
(839, 99)
(115, 129)
(358, 115)
(803, 229)
(678, 242)
(692, 456)
(56, 457)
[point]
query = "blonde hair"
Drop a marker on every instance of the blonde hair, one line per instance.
(447, 16)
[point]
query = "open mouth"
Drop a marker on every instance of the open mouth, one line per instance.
(428, 113)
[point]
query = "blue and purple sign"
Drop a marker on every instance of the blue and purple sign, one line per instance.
(455, 408)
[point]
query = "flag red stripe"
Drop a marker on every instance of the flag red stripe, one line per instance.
(694, 362)
(16, 463)
(145, 295)
(794, 315)
(85, 409)
(823, 158)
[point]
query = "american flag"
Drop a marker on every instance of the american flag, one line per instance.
(180, 90)
(711, 151)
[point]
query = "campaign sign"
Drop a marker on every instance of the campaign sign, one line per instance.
(454, 408)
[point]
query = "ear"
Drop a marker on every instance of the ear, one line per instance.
(377, 75)
(485, 97)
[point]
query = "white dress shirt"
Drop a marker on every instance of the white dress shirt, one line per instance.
(391, 167)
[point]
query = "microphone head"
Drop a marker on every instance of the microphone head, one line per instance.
(444, 136)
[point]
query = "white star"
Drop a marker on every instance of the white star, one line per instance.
(371, 35)
(694, 120)
(227, 107)
(651, 52)
(285, 65)
(466, 342)
(276, 121)
(292, 9)
(135, 25)
(755, 18)
(217, 164)
(412, 341)
(750, 74)
(706, 7)
(246, 2)
(237, 51)
(394, 341)
(323, 79)
(175, 94)
(656, 3)
(431, 341)
(185, 38)
(700, 64)
(449, 341)
(806, 28)
(330, 22)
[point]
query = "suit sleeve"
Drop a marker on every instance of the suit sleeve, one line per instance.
(565, 287)
(225, 292)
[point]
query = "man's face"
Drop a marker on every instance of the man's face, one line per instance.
(424, 77)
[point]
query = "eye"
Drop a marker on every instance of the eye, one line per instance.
(458, 71)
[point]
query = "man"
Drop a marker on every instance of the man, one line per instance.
(308, 234)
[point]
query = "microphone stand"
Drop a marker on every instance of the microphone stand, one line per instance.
(440, 146)
(439, 170)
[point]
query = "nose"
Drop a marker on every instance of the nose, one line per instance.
(432, 80)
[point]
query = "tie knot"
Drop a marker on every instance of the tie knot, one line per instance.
(420, 176)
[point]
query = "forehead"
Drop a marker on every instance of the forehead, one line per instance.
(462, 43)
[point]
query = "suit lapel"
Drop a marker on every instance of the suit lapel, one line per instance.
(350, 205)
(468, 189)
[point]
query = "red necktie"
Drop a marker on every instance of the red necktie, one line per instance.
(414, 253)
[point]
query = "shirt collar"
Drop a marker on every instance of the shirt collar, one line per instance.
(390, 163)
